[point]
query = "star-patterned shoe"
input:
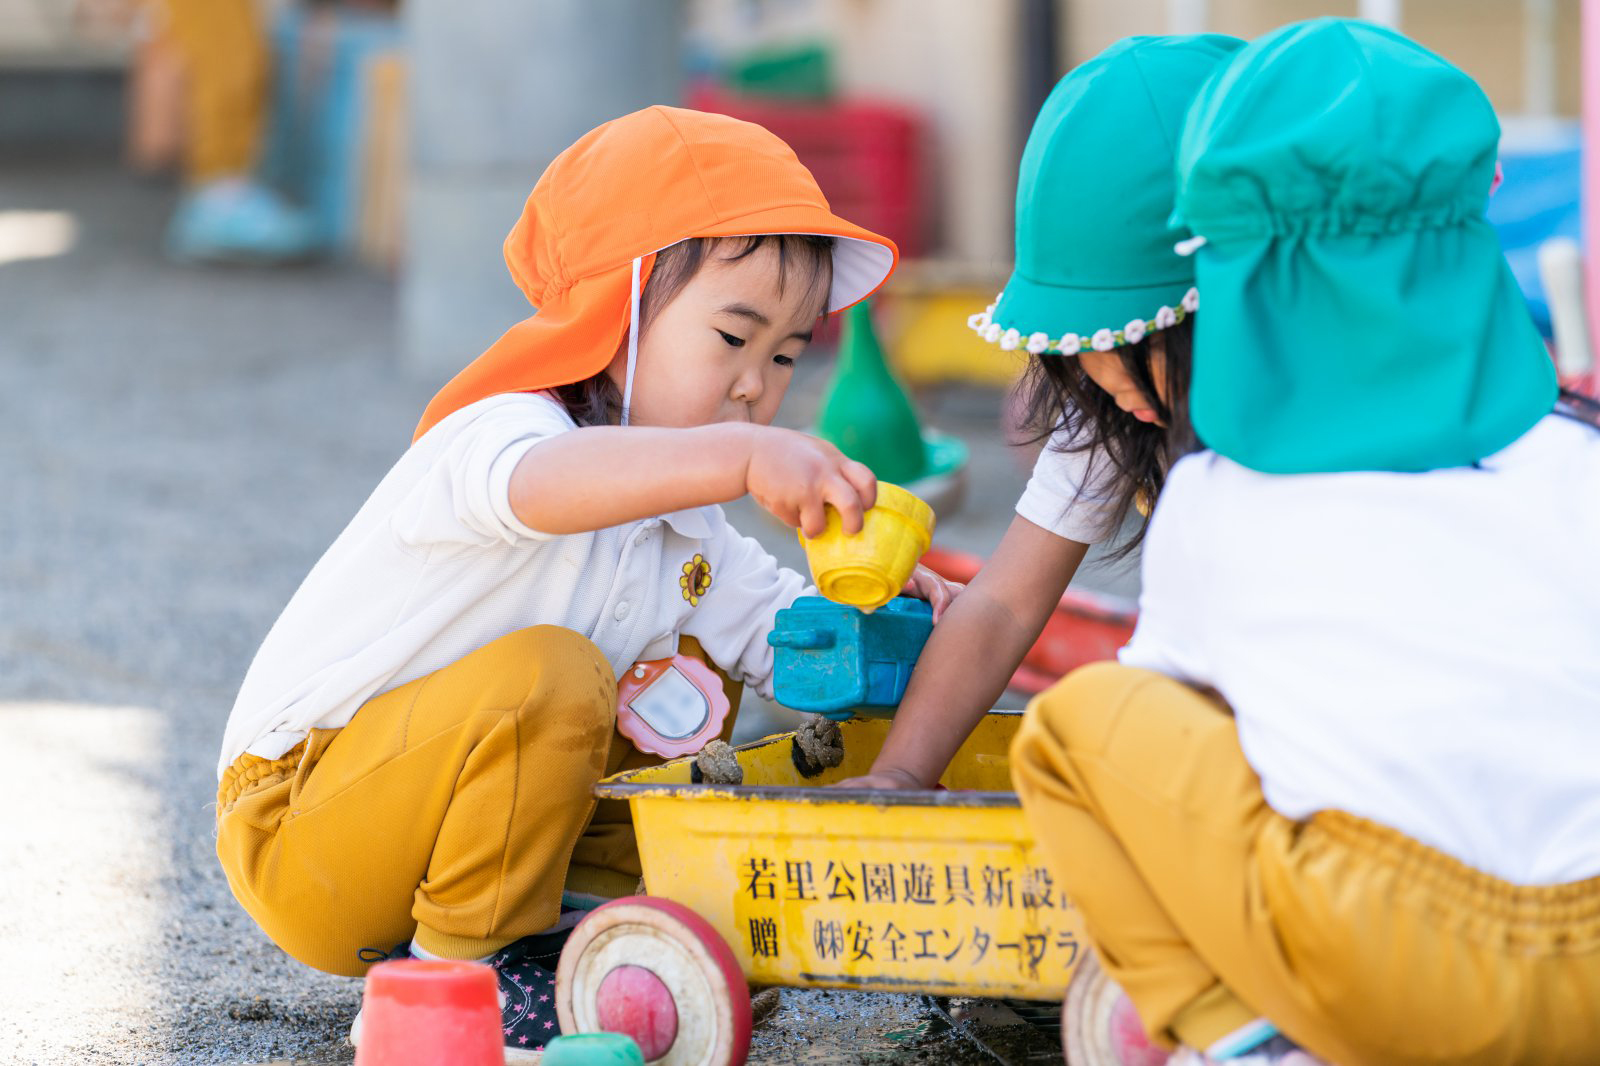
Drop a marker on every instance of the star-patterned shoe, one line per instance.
(526, 970)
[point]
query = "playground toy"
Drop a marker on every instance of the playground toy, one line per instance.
(593, 1049)
(417, 1012)
(869, 568)
(867, 415)
(671, 706)
(777, 883)
(837, 661)
(691, 1007)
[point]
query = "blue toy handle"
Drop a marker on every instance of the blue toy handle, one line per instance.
(803, 639)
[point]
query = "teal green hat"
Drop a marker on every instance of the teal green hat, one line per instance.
(1360, 314)
(1095, 266)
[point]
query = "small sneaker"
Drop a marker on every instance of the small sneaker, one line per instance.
(375, 956)
(235, 220)
(1277, 1051)
(528, 996)
(526, 970)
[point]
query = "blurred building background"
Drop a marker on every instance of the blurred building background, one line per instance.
(412, 130)
(394, 141)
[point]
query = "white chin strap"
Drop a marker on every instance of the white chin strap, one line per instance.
(633, 345)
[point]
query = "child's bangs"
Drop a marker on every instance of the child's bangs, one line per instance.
(810, 255)
(807, 255)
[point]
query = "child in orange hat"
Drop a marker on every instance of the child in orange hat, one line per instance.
(412, 754)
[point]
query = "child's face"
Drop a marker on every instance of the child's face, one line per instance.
(723, 350)
(1105, 369)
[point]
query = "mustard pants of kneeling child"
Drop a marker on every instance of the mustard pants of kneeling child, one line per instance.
(1210, 909)
(454, 809)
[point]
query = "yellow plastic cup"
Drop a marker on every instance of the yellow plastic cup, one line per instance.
(869, 569)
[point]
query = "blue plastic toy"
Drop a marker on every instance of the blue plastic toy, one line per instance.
(593, 1049)
(837, 661)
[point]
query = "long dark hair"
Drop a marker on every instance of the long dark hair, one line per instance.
(597, 401)
(1131, 458)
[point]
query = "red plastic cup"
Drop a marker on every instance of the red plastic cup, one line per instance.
(422, 1012)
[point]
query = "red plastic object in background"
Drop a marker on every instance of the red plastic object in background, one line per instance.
(866, 157)
(419, 1012)
(1083, 628)
(1588, 384)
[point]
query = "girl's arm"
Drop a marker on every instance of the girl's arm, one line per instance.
(602, 476)
(972, 654)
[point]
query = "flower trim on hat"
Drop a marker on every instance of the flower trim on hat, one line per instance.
(1101, 340)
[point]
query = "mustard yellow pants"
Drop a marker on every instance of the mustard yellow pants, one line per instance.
(454, 809)
(225, 62)
(1210, 909)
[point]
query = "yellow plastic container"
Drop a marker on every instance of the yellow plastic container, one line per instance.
(934, 892)
(924, 312)
(868, 569)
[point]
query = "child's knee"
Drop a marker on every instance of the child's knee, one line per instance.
(1103, 710)
(565, 674)
(1078, 712)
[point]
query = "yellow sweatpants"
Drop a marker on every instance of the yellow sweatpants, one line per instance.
(455, 808)
(225, 60)
(1211, 909)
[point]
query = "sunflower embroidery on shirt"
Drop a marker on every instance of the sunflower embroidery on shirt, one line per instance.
(696, 579)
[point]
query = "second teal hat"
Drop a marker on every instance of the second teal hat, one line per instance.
(1360, 314)
(1095, 267)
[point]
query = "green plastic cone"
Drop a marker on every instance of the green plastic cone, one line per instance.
(865, 412)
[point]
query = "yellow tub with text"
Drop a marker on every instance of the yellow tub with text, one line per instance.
(939, 892)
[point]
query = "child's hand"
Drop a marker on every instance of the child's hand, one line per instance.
(887, 778)
(795, 475)
(927, 585)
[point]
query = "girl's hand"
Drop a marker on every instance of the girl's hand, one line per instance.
(795, 476)
(927, 585)
(888, 778)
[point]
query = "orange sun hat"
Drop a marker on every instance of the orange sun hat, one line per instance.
(590, 229)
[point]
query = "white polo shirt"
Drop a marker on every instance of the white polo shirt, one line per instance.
(436, 565)
(1422, 650)
(1070, 493)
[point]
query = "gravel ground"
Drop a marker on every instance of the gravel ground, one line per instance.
(178, 448)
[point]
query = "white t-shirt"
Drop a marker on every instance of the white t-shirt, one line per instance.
(1070, 493)
(1422, 650)
(436, 565)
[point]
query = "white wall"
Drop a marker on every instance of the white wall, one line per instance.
(1486, 38)
(955, 60)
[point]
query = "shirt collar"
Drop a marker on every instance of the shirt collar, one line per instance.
(698, 523)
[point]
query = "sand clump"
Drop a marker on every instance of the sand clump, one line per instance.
(718, 765)
(818, 745)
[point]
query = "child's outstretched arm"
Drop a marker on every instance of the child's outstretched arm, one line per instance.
(604, 476)
(972, 654)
